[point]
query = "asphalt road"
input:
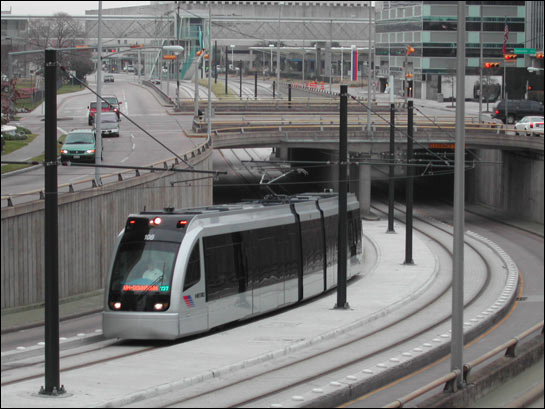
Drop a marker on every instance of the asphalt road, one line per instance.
(133, 147)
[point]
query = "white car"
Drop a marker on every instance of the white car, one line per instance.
(531, 125)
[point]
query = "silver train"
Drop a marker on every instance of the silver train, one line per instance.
(180, 272)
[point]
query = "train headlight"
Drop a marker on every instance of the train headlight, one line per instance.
(115, 305)
(156, 221)
(160, 307)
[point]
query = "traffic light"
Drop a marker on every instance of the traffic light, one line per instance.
(510, 57)
(491, 64)
(530, 88)
(539, 55)
(409, 75)
(410, 50)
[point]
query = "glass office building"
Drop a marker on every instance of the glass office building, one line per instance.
(430, 28)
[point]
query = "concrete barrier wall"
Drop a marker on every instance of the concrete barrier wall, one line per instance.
(89, 223)
(509, 181)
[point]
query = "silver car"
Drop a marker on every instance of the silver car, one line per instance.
(109, 124)
(530, 125)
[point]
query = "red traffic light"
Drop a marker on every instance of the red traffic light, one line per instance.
(410, 50)
(510, 57)
(529, 88)
(491, 64)
(539, 55)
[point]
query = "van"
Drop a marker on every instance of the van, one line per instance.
(517, 109)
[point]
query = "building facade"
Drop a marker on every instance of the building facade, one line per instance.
(430, 28)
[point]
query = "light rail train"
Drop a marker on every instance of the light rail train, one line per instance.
(180, 272)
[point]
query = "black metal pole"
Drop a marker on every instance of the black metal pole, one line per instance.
(215, 62)
(255, 86)
(391, 174)
(226, 69)
(409, 188)
(343, 189)
(289, 96)
(274, 87)
(241, 80)
(52, 372)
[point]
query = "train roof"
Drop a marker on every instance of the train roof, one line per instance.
(246, 205)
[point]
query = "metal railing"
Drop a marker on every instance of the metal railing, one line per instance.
(450, 378)
(112, 177)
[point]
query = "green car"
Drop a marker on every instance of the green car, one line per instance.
(79, 145)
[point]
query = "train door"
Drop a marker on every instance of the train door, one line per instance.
(193, 308)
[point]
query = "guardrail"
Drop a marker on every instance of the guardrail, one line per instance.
(361, 119)
(450, 378)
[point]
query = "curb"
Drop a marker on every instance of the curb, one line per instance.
(353, 386)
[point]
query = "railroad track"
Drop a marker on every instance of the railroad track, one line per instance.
(321, 363)
(278, 381)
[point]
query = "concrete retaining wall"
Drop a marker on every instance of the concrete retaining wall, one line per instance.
(509, 181)
(89, 222)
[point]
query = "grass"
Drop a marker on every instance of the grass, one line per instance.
(30, 105)
(14, 145)
(219, 90)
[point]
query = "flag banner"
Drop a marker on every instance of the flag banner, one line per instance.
(354, 62)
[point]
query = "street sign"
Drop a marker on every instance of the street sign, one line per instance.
(524, 50)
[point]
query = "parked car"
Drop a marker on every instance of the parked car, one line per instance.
(517, 109)
(109, 124)
(130, 68)
(531, 125)
(108, 78)
(79, 145)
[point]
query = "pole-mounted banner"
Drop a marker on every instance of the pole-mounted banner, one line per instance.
(354, 62)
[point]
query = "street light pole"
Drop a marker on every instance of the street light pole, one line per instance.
(177, 49)
(278, 51)
(271, 46)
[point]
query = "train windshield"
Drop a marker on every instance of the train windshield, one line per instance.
(142, 276)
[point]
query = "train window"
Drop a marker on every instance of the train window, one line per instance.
(225, 271)
(193, 272)
(331, 232)
(142, 275)
(312, 239)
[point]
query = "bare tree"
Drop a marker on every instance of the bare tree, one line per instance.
(61, 31)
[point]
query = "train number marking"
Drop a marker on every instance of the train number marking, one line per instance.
(149, 237)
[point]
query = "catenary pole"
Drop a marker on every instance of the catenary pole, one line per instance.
(51, 257)
(343, 184)
(391, 170)
(409, 193)
(457, 340)
(98, 114)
